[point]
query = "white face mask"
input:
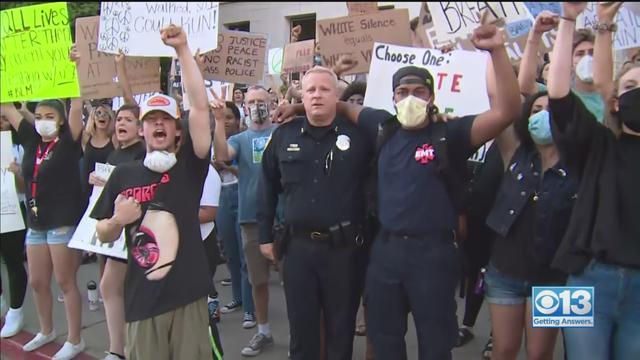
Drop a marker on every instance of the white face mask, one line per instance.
(584, 69)
(412, 111)
(160, 161)
(46, 128)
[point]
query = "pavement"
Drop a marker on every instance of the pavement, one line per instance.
(234, 337)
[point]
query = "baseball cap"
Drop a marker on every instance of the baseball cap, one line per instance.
(160, 102)
(422, 73)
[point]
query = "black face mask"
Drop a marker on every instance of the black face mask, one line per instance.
(629, 109)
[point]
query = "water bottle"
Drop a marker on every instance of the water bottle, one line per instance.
(92, 292)
(479, 288)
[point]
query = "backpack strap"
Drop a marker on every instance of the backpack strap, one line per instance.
(455, 178)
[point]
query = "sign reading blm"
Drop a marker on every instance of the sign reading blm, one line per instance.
(34, 53)
(134, 27)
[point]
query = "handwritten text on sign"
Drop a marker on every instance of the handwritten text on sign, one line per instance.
(239, 58)
(298, 56)
(457, 19)
(356, 34)
(97, 70)
(628, 34)
(460, 83)
(34, 53)
(135, 27)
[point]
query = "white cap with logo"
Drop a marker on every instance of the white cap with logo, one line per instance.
(162, 103)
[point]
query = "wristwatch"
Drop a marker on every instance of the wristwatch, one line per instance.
(602, 27)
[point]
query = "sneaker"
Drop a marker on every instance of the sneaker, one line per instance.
(225, 282)
(488, 350)
(231, 307)
(464, 336)
(61, 297)
(112, 356)
(69, 351)
(249, 321)
(39, 340)
(257, 343)
(214, 309)
(13, 323)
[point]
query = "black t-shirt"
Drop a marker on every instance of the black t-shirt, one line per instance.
(119, 156)
(412, 196)
(168, 231)
(93, 155)
(59, 193)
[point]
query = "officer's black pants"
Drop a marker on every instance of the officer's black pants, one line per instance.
(418, 275)
(318, 276)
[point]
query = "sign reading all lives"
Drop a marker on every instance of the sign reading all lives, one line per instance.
(355, 35)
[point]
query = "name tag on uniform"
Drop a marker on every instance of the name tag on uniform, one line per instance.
(293, 147)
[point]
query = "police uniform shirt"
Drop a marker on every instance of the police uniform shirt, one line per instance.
(412, 196)
(319, 170)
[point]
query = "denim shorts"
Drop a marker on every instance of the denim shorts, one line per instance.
(57, 236)
(501, 289)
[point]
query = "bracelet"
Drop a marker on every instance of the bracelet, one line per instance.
(603, 26)
(567, 18)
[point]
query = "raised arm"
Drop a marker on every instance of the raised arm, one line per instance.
(603, 50)
(9, 111)
(507, 141)
(506, 103)
(75, 113)
(123, 79)
(199, 128)
(545, 21)
(221, 148)
(559, 83)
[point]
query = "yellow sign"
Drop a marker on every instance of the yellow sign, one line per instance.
(34, 54)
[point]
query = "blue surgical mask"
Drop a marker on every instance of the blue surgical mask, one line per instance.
(540, 128)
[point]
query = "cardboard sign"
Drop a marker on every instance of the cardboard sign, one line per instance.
(134, 27)
(456, 20)
(239, 58)
(97, 70)
(298, 56)
(355, 35)
(274, 61)
(628, 34)
(85, 236)
(459, 77)
(362, 7)
(34, 54)
(10, 213)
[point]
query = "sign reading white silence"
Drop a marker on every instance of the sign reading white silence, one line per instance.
(134, 27)
(85, 236)
(459, 77)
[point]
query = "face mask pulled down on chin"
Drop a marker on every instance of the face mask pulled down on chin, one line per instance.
(412, 112)
(629, 109)
(46, 128)
(160, 161)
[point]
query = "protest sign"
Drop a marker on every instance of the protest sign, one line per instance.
(355, 35)
(536, 7)
(134, 27)
(85, 236)
(362, 7)
(208, 85)
(118, 101)
(239, 58)
(34, 54)
(10, 213)
(628, 34)
(97, 70)
(459, 77)
(298, 56)
(274, 61)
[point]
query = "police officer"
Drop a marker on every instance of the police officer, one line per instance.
(319, 163)
(414, 261)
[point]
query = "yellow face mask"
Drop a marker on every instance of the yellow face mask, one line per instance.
(412, 112)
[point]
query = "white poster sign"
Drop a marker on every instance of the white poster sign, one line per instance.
(10, 213)
(119, 100)
(134, 27)
(85, 236)
(275, 61)
(628, 33)
(459, 77)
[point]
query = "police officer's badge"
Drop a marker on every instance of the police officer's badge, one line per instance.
(343, 142)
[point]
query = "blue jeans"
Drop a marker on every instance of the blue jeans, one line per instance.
(616, 333)
(229, 233)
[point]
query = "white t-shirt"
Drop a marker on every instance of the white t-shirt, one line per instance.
(210, 197)
(18, 154)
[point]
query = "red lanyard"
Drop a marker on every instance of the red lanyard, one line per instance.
(36, 166)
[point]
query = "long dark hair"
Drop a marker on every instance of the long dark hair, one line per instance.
(60, 107)
(521, 126)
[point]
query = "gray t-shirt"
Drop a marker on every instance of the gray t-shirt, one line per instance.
(249, 146)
